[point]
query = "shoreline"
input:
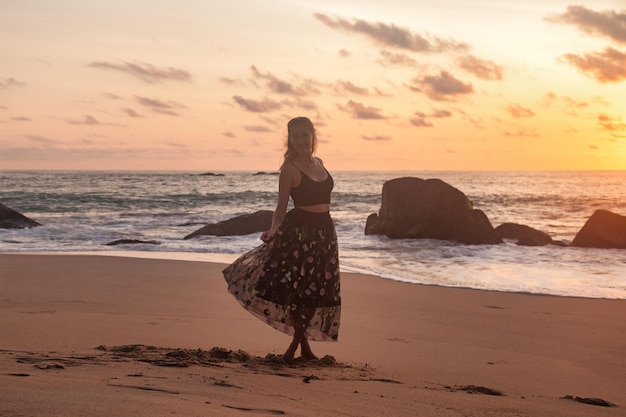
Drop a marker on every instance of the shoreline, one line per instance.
(218, 258)
(403, 349)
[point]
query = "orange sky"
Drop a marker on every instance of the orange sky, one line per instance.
(209, 86)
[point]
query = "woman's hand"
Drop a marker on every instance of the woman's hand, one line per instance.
(267, 235)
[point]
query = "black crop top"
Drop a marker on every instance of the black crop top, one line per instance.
(310, 192)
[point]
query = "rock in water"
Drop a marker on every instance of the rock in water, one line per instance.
(11, 219)
(258, 221)
(429, 209)
(603, 229)
(525, 235)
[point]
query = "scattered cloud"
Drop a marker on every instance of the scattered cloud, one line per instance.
(131, 113)
(574, 103)
(169, 108)
(608, 23)
(391, 35)
(442, 86)
(11, 82)
(86, 120)
(611, 124)
(258, 129)
(344, 53)
(389, 59)
(440, 114)
(230, 81)
(606, 66)
(571, 104)
(517, 110)
(303, 104)
(348, 87)
(420, 121)
(523, 133)
(376, 138)
(229, 135)
(257, 106)
(40, 139)
(112, 96)
(360, 111)
(21, 119)
(146, 72)
(278, 86)
(484, 69)
(593, 147)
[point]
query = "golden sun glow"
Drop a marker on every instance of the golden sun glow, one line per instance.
(210, 86)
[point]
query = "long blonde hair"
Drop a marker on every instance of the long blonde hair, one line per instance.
(309, 125)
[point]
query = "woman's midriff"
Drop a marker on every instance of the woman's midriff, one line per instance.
(315, 208)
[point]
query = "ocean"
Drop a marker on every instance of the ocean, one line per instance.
(82, 211)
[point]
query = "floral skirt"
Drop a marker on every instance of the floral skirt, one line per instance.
(295, 274)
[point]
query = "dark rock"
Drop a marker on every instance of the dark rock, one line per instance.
(11, 219)
(211, 174)
(429, 209)
(132, 242)
(603, 229)
(525, 235)
(265, 173)
(241, 225)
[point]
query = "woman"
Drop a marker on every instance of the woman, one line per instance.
(292, 280)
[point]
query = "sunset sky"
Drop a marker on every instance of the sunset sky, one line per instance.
(391, 85)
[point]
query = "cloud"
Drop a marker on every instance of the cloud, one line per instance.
(169, 108)
(486, 70)
(278, 86)
(21, 119)
(344, 53)
(257, 106)
(40, 139)
(611, 124)
(570, 103)
(347, 86)
(607, 23)
(517, 110)
(304, 104)
(421, 121)
(86, 120)
(229, 135)
(146, 72)
(523, 133)
(112, 96)
(442, 86)
(360, 111)
(607, 66)
(11, 82)
(258, 129)
(574, 103)
(376, 138)
(389, 59)
(441, 113)
(391, 35)
(131, 113)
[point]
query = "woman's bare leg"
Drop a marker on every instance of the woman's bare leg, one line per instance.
(301, 319)
(307, 353)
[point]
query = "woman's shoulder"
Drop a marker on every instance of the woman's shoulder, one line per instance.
(289, 170)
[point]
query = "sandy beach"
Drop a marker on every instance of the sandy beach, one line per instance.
(84, 335)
